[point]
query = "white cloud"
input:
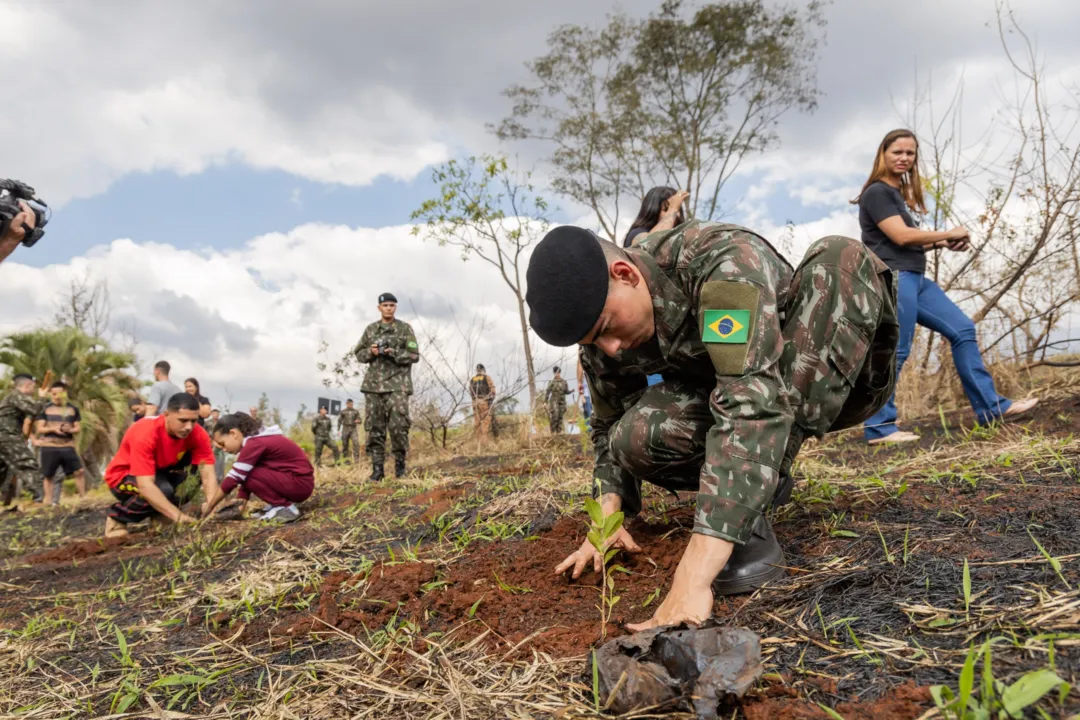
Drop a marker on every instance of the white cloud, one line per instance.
(255, 317)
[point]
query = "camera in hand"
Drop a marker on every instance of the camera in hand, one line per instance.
(384, 347)
(11, 192)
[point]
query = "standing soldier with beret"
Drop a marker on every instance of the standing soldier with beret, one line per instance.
(348, 422)
(755, 358)
(389, 345)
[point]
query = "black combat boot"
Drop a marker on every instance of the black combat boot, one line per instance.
(752, 565)
(378, 472)
(399, 466)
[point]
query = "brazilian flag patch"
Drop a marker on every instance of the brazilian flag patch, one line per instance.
(726, 326)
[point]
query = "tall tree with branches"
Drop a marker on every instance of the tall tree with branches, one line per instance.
(487, 210)
(683, 96)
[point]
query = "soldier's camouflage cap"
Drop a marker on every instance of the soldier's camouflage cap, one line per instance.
(567, 284)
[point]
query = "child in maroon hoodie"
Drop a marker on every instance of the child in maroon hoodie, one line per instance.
(268, 465)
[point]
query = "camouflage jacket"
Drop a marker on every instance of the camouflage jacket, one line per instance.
(321, 426)
(14, 409)
(348, 420)
(734, 273)
(556, 392)
(393, 372)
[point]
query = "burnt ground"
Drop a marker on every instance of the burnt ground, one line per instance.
(435, 596)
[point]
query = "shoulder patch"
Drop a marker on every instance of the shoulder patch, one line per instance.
(412, 345)
(727, 319)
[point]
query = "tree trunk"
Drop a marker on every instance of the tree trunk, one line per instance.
(530, 371)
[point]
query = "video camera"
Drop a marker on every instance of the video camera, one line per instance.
(11, 192)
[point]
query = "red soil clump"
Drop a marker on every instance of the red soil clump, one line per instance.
(779, 702)
(79, 550)
(440, 500)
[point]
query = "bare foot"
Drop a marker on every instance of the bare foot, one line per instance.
(1020, 407)
(114, 528)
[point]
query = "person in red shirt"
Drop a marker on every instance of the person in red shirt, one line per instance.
(268, 465)
(153, 460)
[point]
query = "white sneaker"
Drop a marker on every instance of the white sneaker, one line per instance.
(282, 514)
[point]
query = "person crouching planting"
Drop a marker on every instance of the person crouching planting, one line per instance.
(268, 465)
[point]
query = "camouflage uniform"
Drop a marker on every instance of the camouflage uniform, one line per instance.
(321, 427)
(347, 423)
(787, 356)
(482, 390)
(16, 458)
(387, 386)
(555, 395)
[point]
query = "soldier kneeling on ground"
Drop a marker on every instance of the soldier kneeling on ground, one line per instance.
(268, 465)
(755, 357)
(153, 461)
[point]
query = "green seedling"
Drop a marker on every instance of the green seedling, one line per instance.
(651, 598)
(967, 586)
(888, 555)
(475, 606)
(996, 699)
(602, 531)
(512, 589)
(1054, 562)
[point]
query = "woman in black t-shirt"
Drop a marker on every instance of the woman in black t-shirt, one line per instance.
(888, 206)
(191, 387)
(660, 210)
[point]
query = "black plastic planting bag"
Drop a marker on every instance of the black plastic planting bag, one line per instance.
(698, 669)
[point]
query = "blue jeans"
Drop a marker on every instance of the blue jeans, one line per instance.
(922, 302)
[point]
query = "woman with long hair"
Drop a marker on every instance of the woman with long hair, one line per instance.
(268, 465)
(890, 204)
(660, 210)
(191, 387)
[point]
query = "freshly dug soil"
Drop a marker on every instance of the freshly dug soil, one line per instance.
(512, 586)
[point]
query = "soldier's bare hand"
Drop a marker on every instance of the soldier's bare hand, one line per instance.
(374, 349)
(184, 518)
(587, 554)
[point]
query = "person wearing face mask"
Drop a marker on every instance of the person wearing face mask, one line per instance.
(755, 358)
(890, 204)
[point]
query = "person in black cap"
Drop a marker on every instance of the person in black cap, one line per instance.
(389, 347)
(755, 357)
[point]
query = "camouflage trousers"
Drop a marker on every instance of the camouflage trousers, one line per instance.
(18, 469)
(350, 440)
(556, 412)
(321, 443)
(481, 416)
(386, 412)
(840, 331)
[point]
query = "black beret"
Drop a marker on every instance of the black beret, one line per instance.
(387, 297)
(567, 284)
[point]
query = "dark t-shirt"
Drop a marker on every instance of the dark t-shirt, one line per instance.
(66, 414)
(878, 202)
(629, 240)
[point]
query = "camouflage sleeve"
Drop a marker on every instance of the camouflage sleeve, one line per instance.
(740, 326)
(412, 350)
(613, 389)
(28, 405)
(363, 348)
